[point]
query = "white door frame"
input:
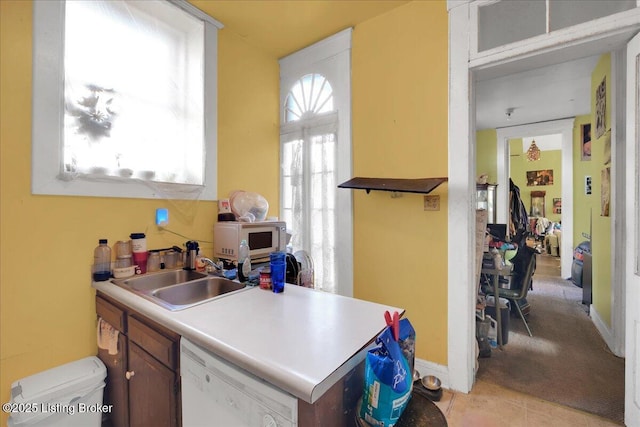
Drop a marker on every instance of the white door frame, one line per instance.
(632, 221)
(565, 129)
(589, 38)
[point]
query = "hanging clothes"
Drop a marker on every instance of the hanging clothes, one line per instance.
(518, 219)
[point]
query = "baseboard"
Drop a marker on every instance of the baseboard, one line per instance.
(602, 327)
(429, 368)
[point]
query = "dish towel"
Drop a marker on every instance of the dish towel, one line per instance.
(107, 336)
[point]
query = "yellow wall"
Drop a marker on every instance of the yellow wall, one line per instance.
(47, 309)
(601, 232)
(519, 166)
(487, 154)
(399, 79)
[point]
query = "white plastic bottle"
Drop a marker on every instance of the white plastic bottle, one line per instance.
(102, 261)
(244, 261)
(493, 332)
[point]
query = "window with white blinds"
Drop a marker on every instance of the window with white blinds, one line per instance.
(130, 98)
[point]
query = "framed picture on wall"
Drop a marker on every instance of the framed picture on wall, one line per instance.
(607, 148)
(601, 108)
(605, 191)
(585, 137)
(557, 206)
(537, 203)
(541, 177)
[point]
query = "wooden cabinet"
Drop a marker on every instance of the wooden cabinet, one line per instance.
(143, 378)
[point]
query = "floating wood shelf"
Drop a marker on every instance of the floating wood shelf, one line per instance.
(419, 185)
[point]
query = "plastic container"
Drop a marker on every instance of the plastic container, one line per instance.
(122, 249)
(278, 269)
(153, 262)
(102, 261)
(244, 261)
(139, 249)
(490, 310)
(493, 332)
(265, 278)
(65, 396)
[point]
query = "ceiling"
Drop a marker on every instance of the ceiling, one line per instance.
(281, 27)
(553, 92)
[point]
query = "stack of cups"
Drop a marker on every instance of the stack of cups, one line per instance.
(123, 254)
(139, 246)
(278, 269)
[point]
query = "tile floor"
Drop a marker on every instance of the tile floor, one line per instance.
(489, 405)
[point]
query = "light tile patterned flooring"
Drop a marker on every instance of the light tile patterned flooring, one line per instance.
(489, 405)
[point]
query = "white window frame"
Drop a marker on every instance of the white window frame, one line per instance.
(293, 67)
(48, 116)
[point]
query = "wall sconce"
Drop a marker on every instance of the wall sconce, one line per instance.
(533, 153)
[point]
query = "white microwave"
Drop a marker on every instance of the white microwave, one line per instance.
(263, 238)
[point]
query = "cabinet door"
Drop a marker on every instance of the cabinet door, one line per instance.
(116, 391)
(153, 390)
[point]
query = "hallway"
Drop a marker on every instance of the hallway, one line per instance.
(566, 361)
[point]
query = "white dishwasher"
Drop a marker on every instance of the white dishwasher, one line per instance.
(217, 393)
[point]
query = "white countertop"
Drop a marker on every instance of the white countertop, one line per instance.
(302, 341)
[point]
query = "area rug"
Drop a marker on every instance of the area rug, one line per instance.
(566, 361)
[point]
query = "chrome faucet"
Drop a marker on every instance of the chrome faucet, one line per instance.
(212, 265)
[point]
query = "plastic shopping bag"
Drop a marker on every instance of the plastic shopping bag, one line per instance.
(388, 376)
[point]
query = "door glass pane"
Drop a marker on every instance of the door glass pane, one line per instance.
(563, 13)
(322, 203)
(510, 21)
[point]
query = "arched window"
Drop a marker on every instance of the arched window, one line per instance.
(308, 173)
(315, 141)
(312, 94)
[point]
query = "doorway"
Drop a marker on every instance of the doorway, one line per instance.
(565, 347)
(590, 38)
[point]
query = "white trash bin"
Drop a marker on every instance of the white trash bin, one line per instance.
(65, 396)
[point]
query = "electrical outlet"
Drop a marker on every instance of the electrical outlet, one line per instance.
(432, 203)
(162, 217)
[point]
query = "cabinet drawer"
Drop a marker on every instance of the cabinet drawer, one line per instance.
(164, 349)
(112, 314)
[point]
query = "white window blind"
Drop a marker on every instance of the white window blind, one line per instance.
(133, 98)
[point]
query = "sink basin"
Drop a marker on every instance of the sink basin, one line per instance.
(179, 289)
(152, 281)
(197, 291)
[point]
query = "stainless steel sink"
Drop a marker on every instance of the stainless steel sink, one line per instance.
(179, 289)
(152, 281)
(197, 291)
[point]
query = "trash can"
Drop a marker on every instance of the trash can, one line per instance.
(578, 259)
(67, 395)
